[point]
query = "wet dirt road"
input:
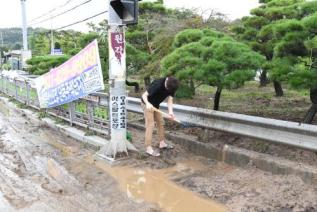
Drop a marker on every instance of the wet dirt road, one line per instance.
(42, 170)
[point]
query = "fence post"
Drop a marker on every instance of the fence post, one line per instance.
(27, 93)
(5, 86)
(71, 108)
(16, 89)
(2, 85)
(90, 111)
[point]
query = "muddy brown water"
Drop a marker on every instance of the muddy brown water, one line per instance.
(155, 186)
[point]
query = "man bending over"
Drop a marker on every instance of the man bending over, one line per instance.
(156, 93)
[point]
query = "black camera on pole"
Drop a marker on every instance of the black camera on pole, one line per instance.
(123, 12)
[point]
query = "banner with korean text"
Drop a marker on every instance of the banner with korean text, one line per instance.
(76, 78)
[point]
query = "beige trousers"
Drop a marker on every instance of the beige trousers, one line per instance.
(152, 117)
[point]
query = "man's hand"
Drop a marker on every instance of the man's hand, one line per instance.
(172, 116)
(149, 106)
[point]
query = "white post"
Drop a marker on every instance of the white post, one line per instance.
(52, 37)
(1, 35)
(1, 38)
(25, 54)
(24, 26)
(117, 95)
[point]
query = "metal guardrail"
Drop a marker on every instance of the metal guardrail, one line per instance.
(281, 132)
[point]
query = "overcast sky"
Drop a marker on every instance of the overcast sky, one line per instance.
(10, 10)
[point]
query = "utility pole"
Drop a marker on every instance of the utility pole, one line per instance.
(52, 37)
(24, 26)
(1, 50)
(121, 13)
(25, 54)
(1, 37)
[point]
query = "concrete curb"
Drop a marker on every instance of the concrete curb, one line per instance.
(241, 157)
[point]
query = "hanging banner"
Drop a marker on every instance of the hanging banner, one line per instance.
(79, 76)
(117, 55)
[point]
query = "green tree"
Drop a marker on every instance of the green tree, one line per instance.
(265, 27)
(157, 28)
(40, 43)
(212, 58)
(42, 64)
(302, 46)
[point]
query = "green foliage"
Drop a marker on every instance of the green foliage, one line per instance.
(184, 61)
(68, 41)
(12, 37)
(285, 35)
(215, 59)
(152, 7)
(138, 39)
(40, 43)
(237, 78)
(6, 66)
(310, 22)
(283, 27)
(184, 91)
(129, 136)
(280, 68)
(303, 77)
(308, 8)
(187, 36)
(42, 64)
(256, 22)
(291, 44)
(136, 59)
(85, 39)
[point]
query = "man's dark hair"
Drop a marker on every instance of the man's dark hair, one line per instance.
(172, 84)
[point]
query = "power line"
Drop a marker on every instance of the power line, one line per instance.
(62, 13)
(52, 10)
(86, 19)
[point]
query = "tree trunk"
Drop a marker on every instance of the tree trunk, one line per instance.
(147, 81)
(313, 109)
(135, 84)
(217, 98)
(192, 86)
(263, 79)
(309, 117)
(278, 89)
(313, 95)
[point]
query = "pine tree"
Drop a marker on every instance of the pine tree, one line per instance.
(212, 58)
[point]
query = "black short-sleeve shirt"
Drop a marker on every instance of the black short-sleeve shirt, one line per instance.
(158, 92)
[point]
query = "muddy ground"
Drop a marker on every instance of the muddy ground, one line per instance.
(256, 101)
(42, 170)
(247, 189)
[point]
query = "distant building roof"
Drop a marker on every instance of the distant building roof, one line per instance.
(13, 53)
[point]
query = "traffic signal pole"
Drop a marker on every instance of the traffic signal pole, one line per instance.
(119, 15)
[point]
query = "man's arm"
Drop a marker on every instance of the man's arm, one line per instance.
(170, 107)
(148, 105)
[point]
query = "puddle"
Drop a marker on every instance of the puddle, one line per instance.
(154, 186)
